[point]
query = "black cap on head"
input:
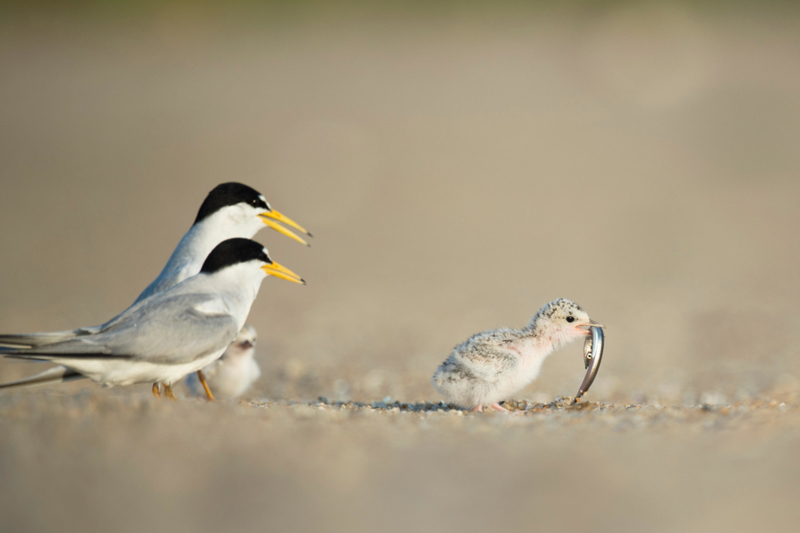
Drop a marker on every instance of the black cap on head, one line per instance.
(226, 194)
(232, 252)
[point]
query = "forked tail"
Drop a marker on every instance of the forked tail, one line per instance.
(57, 374)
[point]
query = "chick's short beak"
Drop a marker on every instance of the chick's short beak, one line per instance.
(587, 327)
(271, 219)
(280, 271)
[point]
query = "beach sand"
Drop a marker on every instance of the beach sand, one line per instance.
(459, 168)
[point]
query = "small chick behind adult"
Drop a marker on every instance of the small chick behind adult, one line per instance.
(493, 365)
(231, 375)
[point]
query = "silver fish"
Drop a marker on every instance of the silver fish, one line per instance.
(592, 357)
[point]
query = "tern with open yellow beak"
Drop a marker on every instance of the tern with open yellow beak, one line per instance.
(175, 332)
(229, 210)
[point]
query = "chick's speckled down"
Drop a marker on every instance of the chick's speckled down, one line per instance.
(493, 365)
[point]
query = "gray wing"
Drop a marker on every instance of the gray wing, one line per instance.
(22, 340)
(167, 329)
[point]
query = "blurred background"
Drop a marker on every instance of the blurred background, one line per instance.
(460, 165)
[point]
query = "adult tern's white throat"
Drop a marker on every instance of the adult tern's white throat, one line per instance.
(230, 210)
(172, 333)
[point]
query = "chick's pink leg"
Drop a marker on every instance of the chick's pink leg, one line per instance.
(498, 407)
(477, 409)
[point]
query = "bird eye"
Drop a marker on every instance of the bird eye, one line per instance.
(570, 319)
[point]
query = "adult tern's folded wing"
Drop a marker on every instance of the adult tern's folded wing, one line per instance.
(165, 329)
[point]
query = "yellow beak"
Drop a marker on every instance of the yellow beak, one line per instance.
(269, 219)
(281, 272)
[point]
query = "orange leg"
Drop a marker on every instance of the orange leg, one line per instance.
(156, 392)
(202, 379)
(168, 392)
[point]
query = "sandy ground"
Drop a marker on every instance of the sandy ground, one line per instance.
(459, 169)
(127, 463)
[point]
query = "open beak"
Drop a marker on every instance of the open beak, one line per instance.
(279, 271)
(270, 217)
